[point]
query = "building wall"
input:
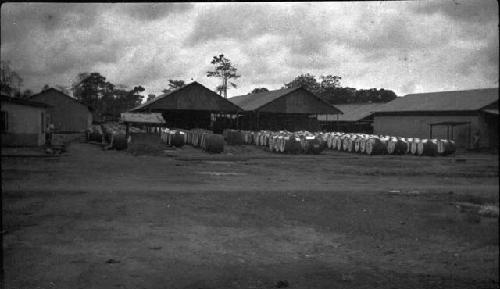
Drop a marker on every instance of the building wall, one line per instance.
(24, 125)
(277, 121)
(418, 126)
(66, 114)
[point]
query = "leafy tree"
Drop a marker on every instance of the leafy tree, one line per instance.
(307, 81)
(220, 89)
(224, 70)
(176, 84)
(330, 90)
(10, 81)
(150, 97)
(330, 81)
(259, 90)
(90, 88)
(27, 93)
(45, 87)
(103, 97)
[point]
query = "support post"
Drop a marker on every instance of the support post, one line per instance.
(127, 131)
(258, 120)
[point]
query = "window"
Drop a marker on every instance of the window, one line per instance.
(5, 121)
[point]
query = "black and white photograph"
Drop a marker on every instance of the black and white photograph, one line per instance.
(250, 145)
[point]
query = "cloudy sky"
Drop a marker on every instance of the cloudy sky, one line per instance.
(404, 46)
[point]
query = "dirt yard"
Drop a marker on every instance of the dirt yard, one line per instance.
(249, 219)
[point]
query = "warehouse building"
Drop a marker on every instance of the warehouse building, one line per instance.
(284, 109)
(356, 118)
(193, 106)
(469, 117)
(66, 113)
(23, 122)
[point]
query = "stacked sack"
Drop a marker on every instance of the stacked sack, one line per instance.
(115, 135)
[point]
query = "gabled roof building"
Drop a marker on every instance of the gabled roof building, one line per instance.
(283, 109)
(470, 117)
(192, 106)
(67, 114)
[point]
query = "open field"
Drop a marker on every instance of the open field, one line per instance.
(248, 219)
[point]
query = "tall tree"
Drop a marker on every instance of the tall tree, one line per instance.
(225, 71)
(10, 81)
(220, 89)
(90, 88)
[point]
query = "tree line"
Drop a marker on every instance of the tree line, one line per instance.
(108, 99)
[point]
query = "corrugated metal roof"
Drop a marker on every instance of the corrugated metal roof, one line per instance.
(139, 107)
(255, 101)
(465, 100)
(352, 112)
(142, 117)
(42, 93)
(193, 96)
(491, 111)
(23, 101)
(261, 101)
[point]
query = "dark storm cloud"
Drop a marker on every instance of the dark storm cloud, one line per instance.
(484, 59)
(18, 19)
(461, 10)
(299, 31)
(154, 11)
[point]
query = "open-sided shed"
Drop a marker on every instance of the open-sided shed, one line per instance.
(290, 108)
(192, 106)
(356, 118)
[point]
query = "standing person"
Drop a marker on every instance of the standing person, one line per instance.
(48, 134)
(475, 140)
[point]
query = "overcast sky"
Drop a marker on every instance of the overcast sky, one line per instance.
(407, 47)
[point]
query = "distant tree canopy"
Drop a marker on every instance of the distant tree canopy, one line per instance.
(173, 85)
(307, 81)
(10, 81)
(103, 97)
(329, 89)
(225, 70)
(259, 90)
(176, 84)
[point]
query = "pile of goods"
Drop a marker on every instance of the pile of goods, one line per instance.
(205, 139)
(114, 135)
(176, 138)
(111, 134)
(233, 137)
(299, 142)
(314, 143)
(379, 145)
(95, 133)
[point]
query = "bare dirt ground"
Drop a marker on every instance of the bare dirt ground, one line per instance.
(248, 219)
